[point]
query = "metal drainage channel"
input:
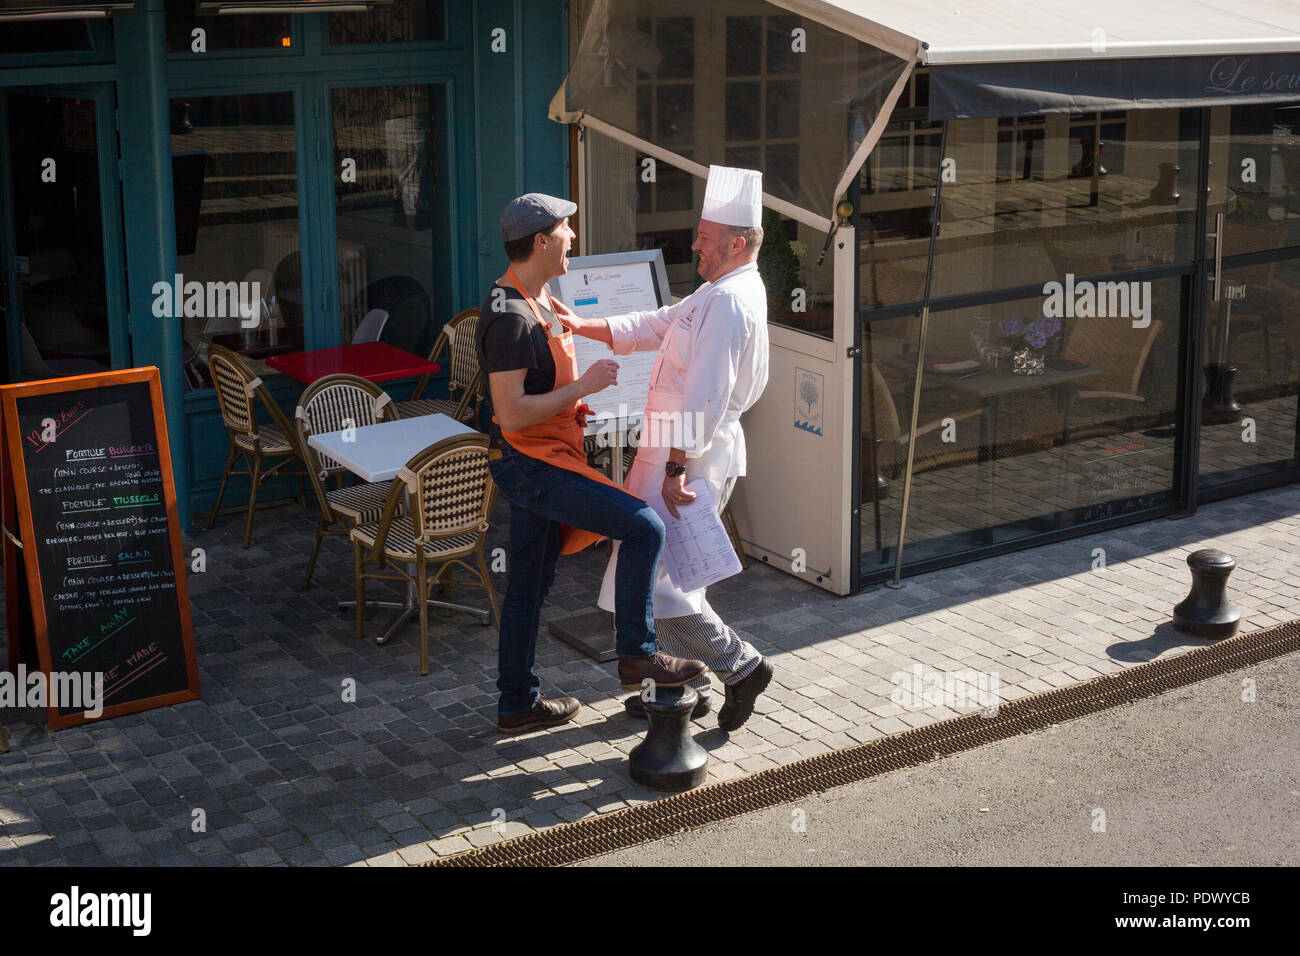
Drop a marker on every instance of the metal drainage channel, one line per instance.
(569, 843)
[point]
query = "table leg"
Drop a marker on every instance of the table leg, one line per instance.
(409, 609)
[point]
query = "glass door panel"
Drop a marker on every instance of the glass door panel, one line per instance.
(61, 295)
(235, 176)
(393, 212)
(1251, 362)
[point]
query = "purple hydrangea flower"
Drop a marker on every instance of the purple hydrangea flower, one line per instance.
(1011, 326)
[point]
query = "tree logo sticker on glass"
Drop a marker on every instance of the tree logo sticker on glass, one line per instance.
(809, 388)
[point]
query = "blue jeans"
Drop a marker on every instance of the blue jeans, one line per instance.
(542, 499)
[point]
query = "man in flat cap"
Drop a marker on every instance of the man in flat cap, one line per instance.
(558, 503)
(712, 367)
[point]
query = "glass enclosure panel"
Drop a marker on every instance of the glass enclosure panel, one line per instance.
(1248, 404)
(1000, 455)
(1252, 349)
(393, 213)
(1255, 163)
(402, 21)
(62, 297)
(235, 170)
(1027, 200)
(663, 214)
(220, 34)
(741, 83)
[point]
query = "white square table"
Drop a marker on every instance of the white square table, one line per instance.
(377, 453)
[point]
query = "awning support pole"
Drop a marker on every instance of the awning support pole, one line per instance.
(920, 360)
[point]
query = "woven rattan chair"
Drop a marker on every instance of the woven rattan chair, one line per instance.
(465, 378)
(881, 424)
(331, 404)
(238, 393)
(1121, 351)
(450, 498)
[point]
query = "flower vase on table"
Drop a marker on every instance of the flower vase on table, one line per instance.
(1029, 342)
(1028, 362)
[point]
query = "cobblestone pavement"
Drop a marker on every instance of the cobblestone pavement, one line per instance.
(285, 771)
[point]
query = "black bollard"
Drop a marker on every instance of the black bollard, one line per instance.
(669, 758)
(1207, 612)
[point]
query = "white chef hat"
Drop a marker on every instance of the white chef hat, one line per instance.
(734, 197)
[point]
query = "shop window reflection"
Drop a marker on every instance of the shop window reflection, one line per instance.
(1032, 199)
(1001, 455)
(235, 181)
(401, 21)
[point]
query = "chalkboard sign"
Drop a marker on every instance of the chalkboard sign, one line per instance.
(89, 467)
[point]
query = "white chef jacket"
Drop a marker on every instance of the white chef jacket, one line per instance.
(712, 360)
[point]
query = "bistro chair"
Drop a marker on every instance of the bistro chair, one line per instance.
(333, 403)
(465, 379)
(450, 495)
(881, 424)
(370, 327)
(238, 393)
(1121, 352)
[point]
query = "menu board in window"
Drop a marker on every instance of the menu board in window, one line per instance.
(88, 474)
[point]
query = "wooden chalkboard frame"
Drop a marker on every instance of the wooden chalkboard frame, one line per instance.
(17, 498)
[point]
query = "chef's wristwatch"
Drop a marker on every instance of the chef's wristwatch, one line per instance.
(672, 469)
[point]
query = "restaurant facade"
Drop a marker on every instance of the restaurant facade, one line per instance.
(1029, 276)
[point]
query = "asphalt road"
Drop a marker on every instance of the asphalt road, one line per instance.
(1196, 776)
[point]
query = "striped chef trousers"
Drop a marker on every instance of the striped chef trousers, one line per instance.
(706, 637)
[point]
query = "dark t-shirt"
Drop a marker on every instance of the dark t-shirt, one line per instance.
(511, 339)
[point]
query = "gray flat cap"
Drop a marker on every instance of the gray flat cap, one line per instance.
(532, 213)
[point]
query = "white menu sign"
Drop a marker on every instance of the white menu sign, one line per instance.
(599, 286)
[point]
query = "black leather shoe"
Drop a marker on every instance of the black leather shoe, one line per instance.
(741, 697)
(635, 708)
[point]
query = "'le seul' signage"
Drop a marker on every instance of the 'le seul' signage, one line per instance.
(98, 589)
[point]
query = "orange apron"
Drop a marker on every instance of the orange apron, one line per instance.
(558, 440)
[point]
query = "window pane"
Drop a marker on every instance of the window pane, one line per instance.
(394, 224)
(782, 109)
(744, 157)
(1088, 439)
(782, 167)
(403, 21)
(781, 56)
(742, 110)
(676, 112)
(238, 157)
(223, 33)
(743, 50)
(1031, 202)
(677, 47)
(675, 243)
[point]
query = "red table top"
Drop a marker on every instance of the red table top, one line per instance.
(375, 361)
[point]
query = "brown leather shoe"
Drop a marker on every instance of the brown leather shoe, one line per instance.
(545, 713)
(664, 670)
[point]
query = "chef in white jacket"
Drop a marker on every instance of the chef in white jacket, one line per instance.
(712, 367)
